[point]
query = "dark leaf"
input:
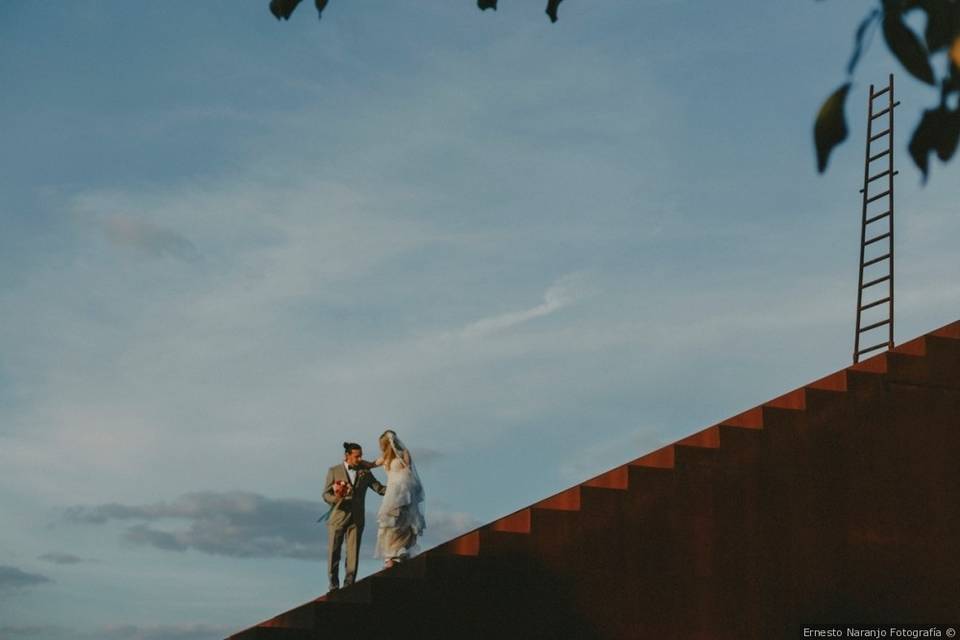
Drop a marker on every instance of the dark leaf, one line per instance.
(858, 39)
(907, 47)
(283, 8)
(830, 128)
(925, 138)
(949, 135)
(936, 32)
(487, 4)
(552, 6)
(943, 23)
(321, 5)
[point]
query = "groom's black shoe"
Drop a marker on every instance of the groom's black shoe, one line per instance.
(333, 587)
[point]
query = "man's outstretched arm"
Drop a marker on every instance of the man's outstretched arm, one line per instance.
(376, 486)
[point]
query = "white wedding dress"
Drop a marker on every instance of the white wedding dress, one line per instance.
(400, 518)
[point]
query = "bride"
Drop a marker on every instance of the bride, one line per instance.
(400, 518)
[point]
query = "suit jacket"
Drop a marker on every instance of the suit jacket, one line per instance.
(351, 509)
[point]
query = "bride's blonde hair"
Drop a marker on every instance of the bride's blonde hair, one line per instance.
(389, 452)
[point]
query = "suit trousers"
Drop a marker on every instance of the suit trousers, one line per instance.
(337, 536)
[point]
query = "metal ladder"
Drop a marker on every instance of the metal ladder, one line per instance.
(876, 251)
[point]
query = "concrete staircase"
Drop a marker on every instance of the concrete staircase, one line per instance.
(838, 502)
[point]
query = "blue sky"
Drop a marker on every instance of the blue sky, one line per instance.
(537, 251)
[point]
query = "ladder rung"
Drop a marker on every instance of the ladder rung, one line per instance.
(879, 93)
(877, 239)
(874, 325)
(879, 155)
(877, 281)
(875, 303)
(879, 135)
(878, 196)
(873, 348)
(884, 110)
(877, 217)
(876, 260)
(878, 176)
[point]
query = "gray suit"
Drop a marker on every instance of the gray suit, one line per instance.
(346, 521)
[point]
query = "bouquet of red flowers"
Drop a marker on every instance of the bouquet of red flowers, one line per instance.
(341, 489)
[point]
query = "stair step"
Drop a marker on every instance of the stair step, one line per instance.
(940, 367)
(607, 505)
(784, 437)
(554, 532)
(697, 460)
(864, 381)
(825, 406)
(467, 544)
(795, 400)
(568, 500)
(739, 447)
(833, 382)
(613, 479)
(503, 543)
(750, 419)
(518, 522)
(662, 458)
(753, 418)
(650, 494)
(693, 530)
(707, 438)
(951, 330)
(649, 608)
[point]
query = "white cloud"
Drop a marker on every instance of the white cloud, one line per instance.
(561, 294)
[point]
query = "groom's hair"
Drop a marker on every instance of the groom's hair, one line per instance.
(350, 446)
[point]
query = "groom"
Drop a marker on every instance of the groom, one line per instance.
(346, 491)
